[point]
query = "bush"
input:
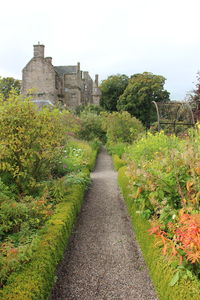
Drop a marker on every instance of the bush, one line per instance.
(149, 146)
(164, 175)
(90, 108)
(164, 180)
(30, 142)
(91, 127)
(117, 149)
(71, 123)
(34, 280)
(78, 155)
(160, 270)
(24, 217)
(29, 255)
(118, 162)
(121, 127)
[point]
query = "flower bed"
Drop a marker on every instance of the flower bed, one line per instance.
(160, 269)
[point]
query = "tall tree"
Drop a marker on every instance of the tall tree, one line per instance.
(138, 96)
(111, 89)
(194, 99)
(7, 84)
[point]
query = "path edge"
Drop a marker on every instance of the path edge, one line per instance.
(160, 270)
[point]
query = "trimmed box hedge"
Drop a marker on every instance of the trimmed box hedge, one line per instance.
(34, 280)
(161, 272)
(118, 162)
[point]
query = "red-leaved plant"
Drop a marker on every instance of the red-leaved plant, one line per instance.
(180, 239)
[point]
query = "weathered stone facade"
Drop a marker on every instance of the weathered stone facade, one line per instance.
(67, 84)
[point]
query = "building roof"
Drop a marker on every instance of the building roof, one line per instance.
(66, 69)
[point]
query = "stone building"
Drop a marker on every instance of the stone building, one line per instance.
(66, 84)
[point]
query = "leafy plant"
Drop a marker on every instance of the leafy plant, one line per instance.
(30, 142)
(181, 239)
(121, 127)
(91, 127)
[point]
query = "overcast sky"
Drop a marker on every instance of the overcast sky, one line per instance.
(107, 37)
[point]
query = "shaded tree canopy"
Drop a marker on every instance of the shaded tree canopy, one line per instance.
(137, 98)
(7, 84)
(194, 99)
(111, 89)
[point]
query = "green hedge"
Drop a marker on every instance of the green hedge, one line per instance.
(118, 162)
(34, 280)
(160, 270)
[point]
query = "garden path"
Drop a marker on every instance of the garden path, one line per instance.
(103, 260)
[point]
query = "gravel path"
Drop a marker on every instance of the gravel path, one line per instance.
(103, 261)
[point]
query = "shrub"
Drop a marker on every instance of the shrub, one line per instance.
(90, 108)
(77, 156)
(30, 142)
(91, 127)
(181, 239)
(118, 162)
(117, 148)
(39, 229)
(161, 271)
(121, 127)
(33, 280)
(149, 146)
(164, 182)
(71, 123)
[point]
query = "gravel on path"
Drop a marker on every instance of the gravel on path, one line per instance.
(103, 260)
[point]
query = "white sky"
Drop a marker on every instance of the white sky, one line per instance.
(107, 37)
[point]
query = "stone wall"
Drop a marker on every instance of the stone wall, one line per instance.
(67, 84)
(38, 77)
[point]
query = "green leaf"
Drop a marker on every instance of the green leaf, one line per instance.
(189, 274)
(175, 278)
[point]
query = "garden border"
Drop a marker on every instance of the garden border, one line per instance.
(35, 280)
(160, 271)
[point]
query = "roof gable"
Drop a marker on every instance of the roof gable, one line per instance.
(66, 69)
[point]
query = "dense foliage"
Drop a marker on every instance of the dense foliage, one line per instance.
(89, 108)
(111, 88)
(137, 98)
(121, 127)
(91, 127)
(8, 84)
(31, 142)
(194, 99)
(40, 161)
(163, 174)
(161, 270)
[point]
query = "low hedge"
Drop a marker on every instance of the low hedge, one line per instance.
(118, 162)
(34, 280)
(161, 272)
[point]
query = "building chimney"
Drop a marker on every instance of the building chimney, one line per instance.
(48, 59)
(78, 67)
(97, 80)
(38, 50)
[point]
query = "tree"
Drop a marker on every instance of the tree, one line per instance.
(137, 98)
(7, 84)
(111, 89)
(194, 99)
